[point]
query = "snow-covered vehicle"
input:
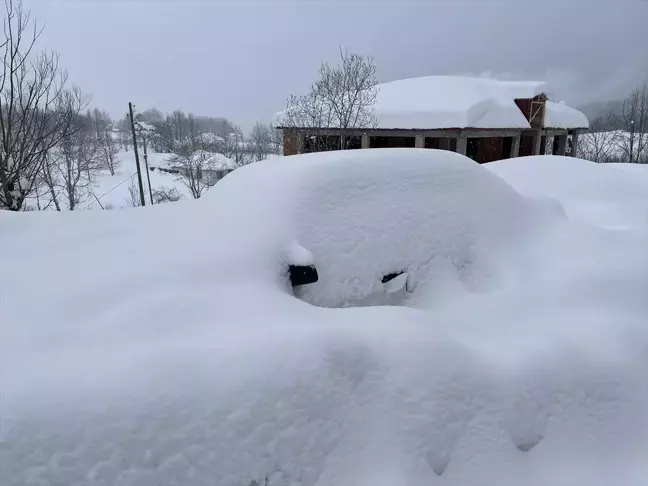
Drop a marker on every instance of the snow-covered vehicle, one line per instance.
(165, 346)
(363, 218)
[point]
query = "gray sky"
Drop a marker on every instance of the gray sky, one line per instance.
(241, 59)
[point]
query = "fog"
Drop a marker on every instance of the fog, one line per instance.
(241, 59)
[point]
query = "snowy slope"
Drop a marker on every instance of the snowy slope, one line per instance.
(605, 195)
(113, 190)
(170, 352)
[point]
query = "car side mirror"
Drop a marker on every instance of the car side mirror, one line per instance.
(302, 274)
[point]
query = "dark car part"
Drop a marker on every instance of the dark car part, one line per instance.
(390, 276)
(302, 274)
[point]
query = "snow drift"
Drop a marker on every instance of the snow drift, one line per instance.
(605, 195)
(161, 346)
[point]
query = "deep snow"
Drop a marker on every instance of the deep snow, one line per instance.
(161, 346)
(612, 196)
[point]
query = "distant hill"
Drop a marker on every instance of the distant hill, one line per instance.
(595, 109)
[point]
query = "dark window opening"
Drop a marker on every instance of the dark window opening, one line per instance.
(543, 145)
(391, 142)
(353, 142)
(432, 143)
(507, 146)
(526, 145)
(321, 143)
(472, 148)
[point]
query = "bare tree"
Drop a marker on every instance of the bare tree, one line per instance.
(308, 112)
(108, 145)
(166, 194)
(349, 90)
(343, 98)
(125, 139)
(276, 140)
(236, 148)
(600, 143)
(195, 171)
(133, 200)
(72, 165)
(153, 115)
(634, 117)
(36, 111)
(260, 141)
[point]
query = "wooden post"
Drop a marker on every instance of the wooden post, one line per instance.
(515, 146)
(148, 177)
(537, 139)
(462, 145)
(139, 171)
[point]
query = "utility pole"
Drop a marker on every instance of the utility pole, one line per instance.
(139, 171)
(632, 132)
(148, 177)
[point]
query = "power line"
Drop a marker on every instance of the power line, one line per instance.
(113, 188)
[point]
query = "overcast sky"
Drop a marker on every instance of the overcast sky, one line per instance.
(242, 58)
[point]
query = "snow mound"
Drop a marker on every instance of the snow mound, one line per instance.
(367, 214)
(600, 194)
(159, 347)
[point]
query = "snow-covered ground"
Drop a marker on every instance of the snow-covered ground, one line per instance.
(612, 196)
(114, 190)
(163, 346)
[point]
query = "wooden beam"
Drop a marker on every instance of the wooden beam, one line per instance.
(537, 140)
(515, 146)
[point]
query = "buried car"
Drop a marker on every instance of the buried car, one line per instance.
(164, 346)
(365, 218)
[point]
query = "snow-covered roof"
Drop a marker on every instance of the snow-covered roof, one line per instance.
(439, 102)
(559, 115)
(453, 102)
(144, 126)
(216, 161)
(209, 137)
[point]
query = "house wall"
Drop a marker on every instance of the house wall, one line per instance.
(491, 149)
(290, 144)
(524, 104)
(486, 145)
(526, 145)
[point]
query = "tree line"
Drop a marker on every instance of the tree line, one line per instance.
(619, 136)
